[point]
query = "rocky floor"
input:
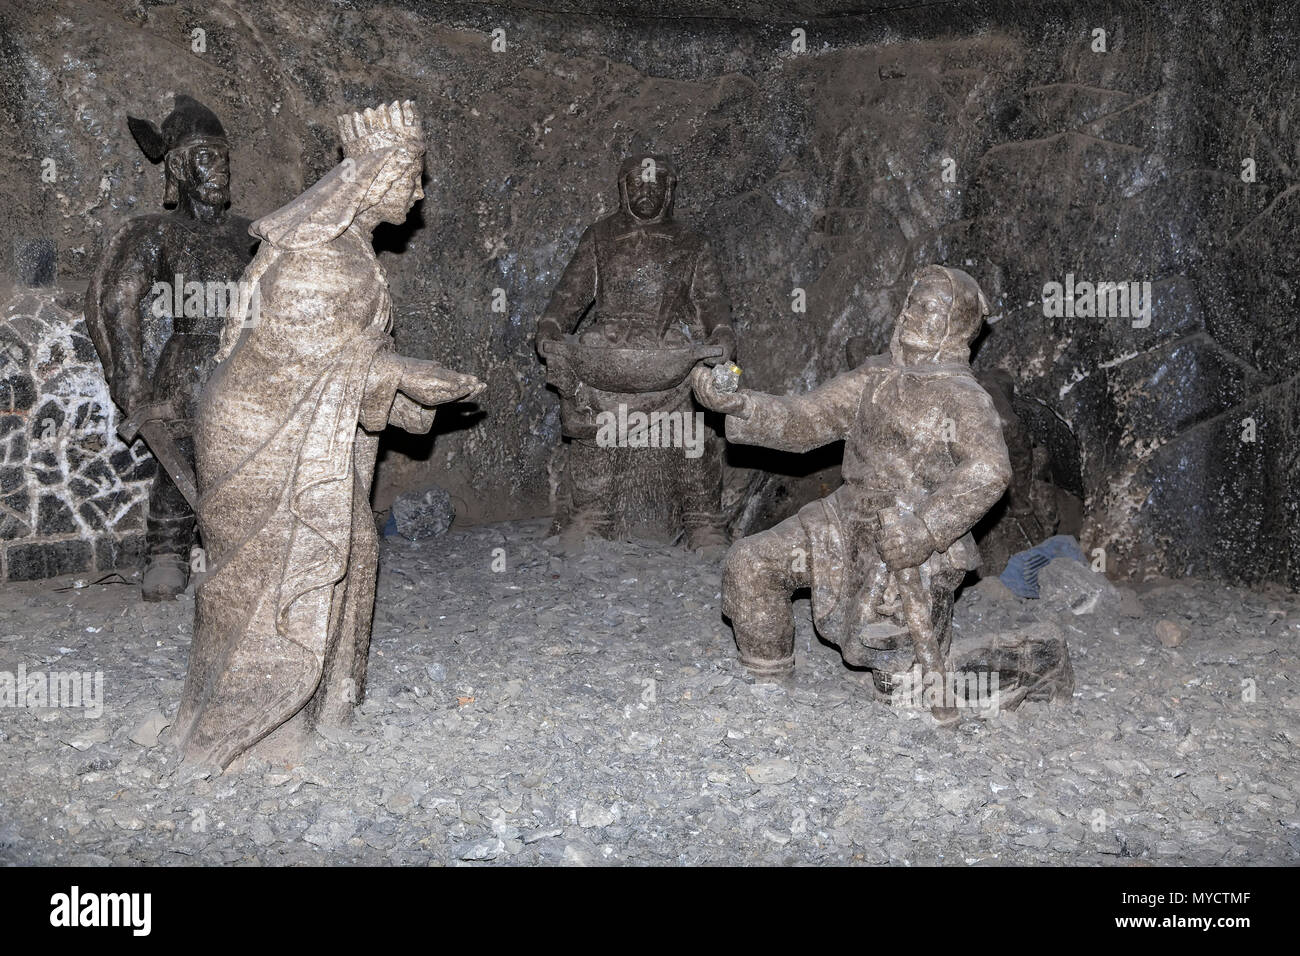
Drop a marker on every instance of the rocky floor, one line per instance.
(592, 711)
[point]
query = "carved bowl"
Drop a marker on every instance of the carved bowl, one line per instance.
(615, 369)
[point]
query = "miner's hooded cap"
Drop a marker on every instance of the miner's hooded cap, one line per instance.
(189, 120)
(966, 311)
(663, 167)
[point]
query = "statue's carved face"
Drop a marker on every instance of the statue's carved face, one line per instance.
(924, 320)
(646, 192)
(405, 192)
(205, 172)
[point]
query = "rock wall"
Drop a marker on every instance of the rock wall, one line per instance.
(72, 496)
(996, 136)
(1129, 166)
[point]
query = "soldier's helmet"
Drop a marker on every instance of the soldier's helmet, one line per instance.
(188, 124)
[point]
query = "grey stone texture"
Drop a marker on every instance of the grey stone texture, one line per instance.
(425, 513)
(491, 740)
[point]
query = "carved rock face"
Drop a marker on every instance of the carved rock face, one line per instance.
(404, 193)
(645, 196)
(923, 323)
(206, 173)
(647, 185)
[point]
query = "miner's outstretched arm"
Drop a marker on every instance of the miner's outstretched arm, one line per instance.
(794, 423)
(574, 293)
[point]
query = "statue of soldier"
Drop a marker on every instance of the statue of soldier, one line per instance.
(639, 279)
(924, 459)
(155, 308)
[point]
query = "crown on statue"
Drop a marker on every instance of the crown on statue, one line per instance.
(393, 124)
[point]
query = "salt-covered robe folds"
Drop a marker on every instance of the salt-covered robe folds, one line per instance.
(286, 441)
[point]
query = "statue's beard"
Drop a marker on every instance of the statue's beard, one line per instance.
(647, 207)
(213, 194)
(908, 348)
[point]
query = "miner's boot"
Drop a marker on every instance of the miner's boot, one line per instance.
(767, 657)
(165, 576)
(778, 670)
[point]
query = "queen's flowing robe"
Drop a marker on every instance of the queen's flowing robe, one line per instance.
(286, 441)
